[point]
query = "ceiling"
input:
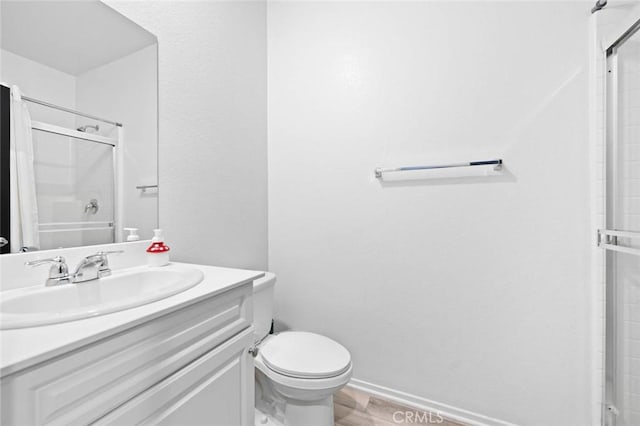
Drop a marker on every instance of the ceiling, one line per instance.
(70, 36)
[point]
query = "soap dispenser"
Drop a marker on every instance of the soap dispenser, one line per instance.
(133, 234)
(158, 251)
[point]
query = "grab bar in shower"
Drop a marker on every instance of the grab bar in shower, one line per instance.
(608, 240)
(496, 163)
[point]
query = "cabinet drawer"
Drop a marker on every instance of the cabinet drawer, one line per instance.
(217, 388)
(84, 385)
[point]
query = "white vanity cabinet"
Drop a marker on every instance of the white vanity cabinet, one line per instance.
(187, 367)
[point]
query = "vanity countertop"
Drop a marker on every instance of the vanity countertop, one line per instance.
(24, 347)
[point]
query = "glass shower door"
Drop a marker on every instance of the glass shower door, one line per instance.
(75, 186)
(622, 237)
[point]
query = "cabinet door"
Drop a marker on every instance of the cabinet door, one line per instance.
(216, 389)
(84, 385)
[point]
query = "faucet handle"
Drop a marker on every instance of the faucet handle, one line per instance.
(103, 269)
(55, 261)
(102, 255)
(110, 252)
(58, 273)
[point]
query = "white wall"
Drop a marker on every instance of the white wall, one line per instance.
(472, 293)
(212, 150)
(39, 81)
(126, 91)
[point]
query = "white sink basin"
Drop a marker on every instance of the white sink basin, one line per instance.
(40, 305)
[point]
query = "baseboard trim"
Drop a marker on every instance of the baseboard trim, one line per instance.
(424, 404)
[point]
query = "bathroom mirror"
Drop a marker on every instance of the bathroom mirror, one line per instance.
(79, 125)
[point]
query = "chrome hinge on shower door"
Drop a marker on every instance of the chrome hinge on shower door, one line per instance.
(608, 239)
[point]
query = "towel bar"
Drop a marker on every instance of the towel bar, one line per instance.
(497, 166)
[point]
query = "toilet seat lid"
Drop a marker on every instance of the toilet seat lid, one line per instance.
(305, 355)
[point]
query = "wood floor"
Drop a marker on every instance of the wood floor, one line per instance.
(356, 408)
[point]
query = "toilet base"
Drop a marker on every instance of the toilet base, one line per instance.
(262, 419)
(296, 413)
(309, 413)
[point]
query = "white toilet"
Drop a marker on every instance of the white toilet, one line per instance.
(296, 372)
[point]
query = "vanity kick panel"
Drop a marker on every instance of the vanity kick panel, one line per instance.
(83, 386)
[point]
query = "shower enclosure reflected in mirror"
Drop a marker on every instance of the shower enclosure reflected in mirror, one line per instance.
(79, 125)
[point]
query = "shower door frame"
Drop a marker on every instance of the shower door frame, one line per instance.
(612, 387)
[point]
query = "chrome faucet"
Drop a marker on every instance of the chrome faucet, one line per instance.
(90, 268)
(58, 273)
(93, 267)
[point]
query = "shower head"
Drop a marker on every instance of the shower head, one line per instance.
(85, 128)
(600, 4)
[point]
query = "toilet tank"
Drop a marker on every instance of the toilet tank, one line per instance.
(263, 304)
